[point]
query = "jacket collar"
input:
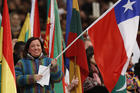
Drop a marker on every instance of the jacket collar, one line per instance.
(29, 56)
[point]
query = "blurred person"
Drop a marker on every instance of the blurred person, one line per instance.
(15, 24)
(137, 69)
(87, 43)
(87, 7)
(81, 2)
(93, 83)
(133, 83)
(104, 6)
(12, 5)
(18, 54)
(14, 40)
(73, 84)
(42, 11)
(18, 2)
(18, 51)
(22, 15)
(63, 22)
(27, 69)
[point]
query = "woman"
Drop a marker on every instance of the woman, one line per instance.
(27, 69)
(18, 51)
(93, 83)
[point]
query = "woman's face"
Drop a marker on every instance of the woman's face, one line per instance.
(92, 60)
(35, 48)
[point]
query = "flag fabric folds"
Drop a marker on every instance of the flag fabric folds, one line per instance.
(1, 36)
(136, 53)
(58, 46)
(68, 20)
(78, 66)
(8, 74)
(50, 30)
(25, 33)
(35, 23)
(113, 36)
(53, 40)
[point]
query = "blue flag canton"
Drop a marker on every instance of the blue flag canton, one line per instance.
(127, 9)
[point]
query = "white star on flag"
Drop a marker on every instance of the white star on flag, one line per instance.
(128, 5)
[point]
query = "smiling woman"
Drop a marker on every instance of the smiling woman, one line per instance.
(27, 69)
(35, 48)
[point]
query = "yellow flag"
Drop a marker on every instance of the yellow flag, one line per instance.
(25, 33)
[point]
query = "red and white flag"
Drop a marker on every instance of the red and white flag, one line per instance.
(50, 30)
(113, 36)
(35, 23)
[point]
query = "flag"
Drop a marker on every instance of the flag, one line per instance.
(113, 36)
(50, 29)
(136, 54)
(1, 38)
(8, 74)
(25, 33)
(1, 34)
(78, 66)
(35, 23)
(53, 40)
(68, 20)
(58, 40)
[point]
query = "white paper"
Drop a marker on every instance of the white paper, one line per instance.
(45, 71)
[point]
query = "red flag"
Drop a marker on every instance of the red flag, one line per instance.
(8, 72)
(36, 32)
(113, 37)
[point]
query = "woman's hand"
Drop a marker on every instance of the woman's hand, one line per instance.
(37, 77)
(73, 84)
(75, 81)
(54, 62)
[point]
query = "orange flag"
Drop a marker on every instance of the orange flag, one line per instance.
(8, 83)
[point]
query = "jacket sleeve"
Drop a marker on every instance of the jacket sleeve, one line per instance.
(56, 74)
(22, 79)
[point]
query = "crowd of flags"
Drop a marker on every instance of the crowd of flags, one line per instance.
(113, 36)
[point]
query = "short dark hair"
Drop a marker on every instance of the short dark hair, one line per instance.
(28, 44)
(19, 46)
(89, 53)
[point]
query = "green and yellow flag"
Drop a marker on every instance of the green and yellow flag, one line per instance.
(26, 30)
(78, 65)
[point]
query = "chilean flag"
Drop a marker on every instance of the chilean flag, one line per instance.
(113, 36)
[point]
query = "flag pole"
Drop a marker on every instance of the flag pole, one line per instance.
(87, 29)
